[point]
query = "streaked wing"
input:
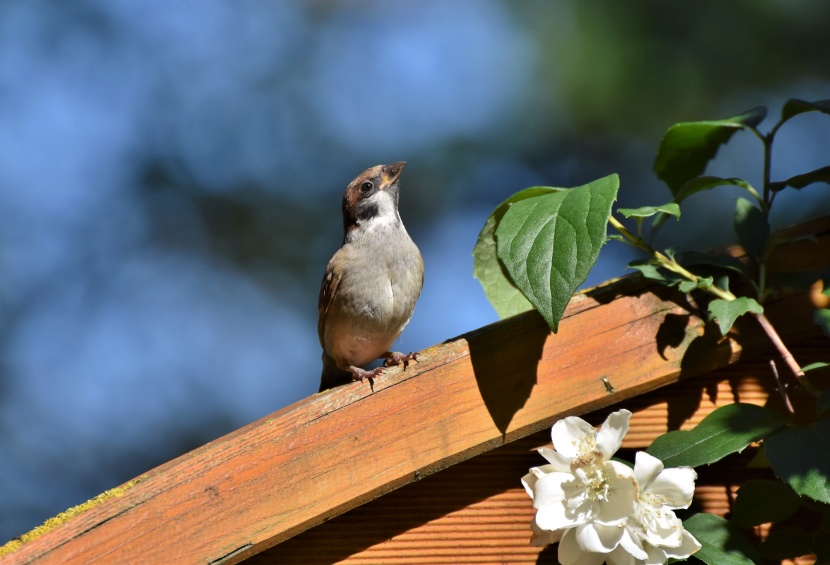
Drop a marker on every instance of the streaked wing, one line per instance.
(328, 288)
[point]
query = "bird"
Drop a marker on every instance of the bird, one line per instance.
(371, 284)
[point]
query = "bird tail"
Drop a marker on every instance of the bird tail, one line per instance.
(332, 375)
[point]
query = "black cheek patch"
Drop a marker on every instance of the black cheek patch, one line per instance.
(366, 211)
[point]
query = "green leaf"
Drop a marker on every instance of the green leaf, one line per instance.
(752, 228)
(728, 429)
(823, 402)
(821, 318)
(794, 107)
(688, 286)
(548, 244)
(645, 211)
(727, 311)
(502, 294)
(650, 269)
(800, 181)
(700, 184)
(801, 456)
(687, 147)
(761, 501)
(721, 542)
(814, 366)
(786, 543)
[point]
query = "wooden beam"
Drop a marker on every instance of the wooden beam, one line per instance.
(311, 461)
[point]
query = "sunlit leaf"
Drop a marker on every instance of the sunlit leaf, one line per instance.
(728, 429)
(801, 456)
(548, 244)
(727, 311)
(760, 501)
(645, 211)
(721, 542)
(687, 147)
(502, 294)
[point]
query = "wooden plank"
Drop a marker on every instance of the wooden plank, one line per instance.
(311, 461)
(478, 512)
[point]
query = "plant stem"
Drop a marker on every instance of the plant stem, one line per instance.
(787, 404)
(672, 265)
(667, 262)
(767, 139)
(788, 358)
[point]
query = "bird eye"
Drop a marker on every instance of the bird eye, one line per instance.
(366, 187)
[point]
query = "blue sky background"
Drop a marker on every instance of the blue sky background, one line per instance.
(171, 176)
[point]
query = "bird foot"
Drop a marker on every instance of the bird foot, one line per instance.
(359, 374)
(394, 358)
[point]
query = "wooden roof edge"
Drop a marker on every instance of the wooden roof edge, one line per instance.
(328, 453)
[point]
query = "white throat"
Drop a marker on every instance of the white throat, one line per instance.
(387, 215)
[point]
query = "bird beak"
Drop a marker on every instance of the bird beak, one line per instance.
(391, 173)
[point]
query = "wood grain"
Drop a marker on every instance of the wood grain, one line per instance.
(311, 461)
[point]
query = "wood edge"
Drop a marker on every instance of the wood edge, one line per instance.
(51, 523)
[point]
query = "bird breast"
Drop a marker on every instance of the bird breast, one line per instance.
(376, 296)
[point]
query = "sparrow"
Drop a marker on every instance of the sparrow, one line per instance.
(371, 284)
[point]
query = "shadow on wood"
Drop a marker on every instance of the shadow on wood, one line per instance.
(505, 379)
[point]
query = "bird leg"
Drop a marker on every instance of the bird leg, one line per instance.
(359, 374)
(393, 358)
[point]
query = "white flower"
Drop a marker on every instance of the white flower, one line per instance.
(582, 498)
(600, 510)
(653, 522)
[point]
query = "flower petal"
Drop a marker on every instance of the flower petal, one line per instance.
(620, 557)
(533, 475)
(611, 433)
(646, 469)
(571, 434)
(571, 554)
(656, 556)
(553, 513)
(675, 486)
(621, 469)
(632, 545)
(556, 459)
(661, 526)
(540, 537)
(687, 547)
(597, 538)
(548, 489)
(619, 504)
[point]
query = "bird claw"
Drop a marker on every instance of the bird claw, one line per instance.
(359, 374)
(394, 358)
